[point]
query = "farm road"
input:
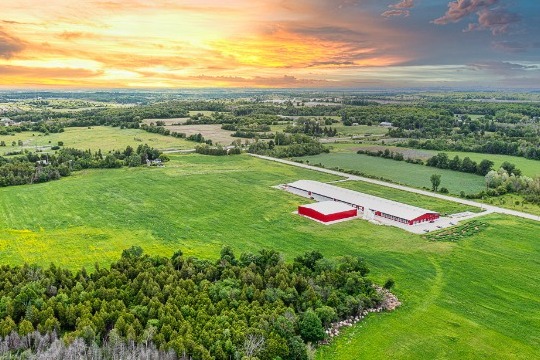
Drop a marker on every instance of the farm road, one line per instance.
(489, 208)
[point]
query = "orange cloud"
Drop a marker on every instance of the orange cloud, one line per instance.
(9, 44)
(302, 47)
(197, 43)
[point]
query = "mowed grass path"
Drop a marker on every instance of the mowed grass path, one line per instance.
(105, 138)
(400, 171)
(474, 299)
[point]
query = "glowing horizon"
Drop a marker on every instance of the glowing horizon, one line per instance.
(267, 43)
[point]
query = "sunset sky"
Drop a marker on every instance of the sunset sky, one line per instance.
(270, 43)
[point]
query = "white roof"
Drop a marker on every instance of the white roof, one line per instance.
(329, 207)
(370, 202)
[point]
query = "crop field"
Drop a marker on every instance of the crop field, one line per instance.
(466, 299)
(97, 137)
(527, 166)
(400, 171)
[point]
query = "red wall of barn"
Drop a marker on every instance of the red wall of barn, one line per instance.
(425, 217)
(326, 218)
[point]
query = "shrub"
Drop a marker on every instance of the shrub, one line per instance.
(389, 284)
(311, 329)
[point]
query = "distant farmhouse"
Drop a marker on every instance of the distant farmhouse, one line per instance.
(352, 203)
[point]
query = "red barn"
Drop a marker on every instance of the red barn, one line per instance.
(371, 207)
(328, 211)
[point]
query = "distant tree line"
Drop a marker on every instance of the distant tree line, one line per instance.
(162, 130)
(529, 149)
(37, 168)
(199, 138)
(285, 145)
(254, 306)
(311, 128)
(40, 126)
(505, 181)
(217, 150)
(247, 127)
(252, 135)
(442, 161)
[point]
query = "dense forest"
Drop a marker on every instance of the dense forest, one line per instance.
(255, 306)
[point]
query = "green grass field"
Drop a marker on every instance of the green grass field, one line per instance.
(97, 137)
(400, 171)
(477, 301)
(514, 202)
(477, 298)
(527, 166)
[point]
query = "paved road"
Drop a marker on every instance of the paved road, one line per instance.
(489, 208)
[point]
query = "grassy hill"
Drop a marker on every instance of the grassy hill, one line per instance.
(477, 298)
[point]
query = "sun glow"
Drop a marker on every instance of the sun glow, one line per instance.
(188, 43)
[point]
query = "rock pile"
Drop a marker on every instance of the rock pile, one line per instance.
(389, 303)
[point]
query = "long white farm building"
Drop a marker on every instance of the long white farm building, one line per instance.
(370, 206)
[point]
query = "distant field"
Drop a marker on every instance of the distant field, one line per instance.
(166, 121)
(529, 167)
(212, 132)
(204, 112)
(465, 300)
(360, 130)
(97, 137)
(400, 171)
